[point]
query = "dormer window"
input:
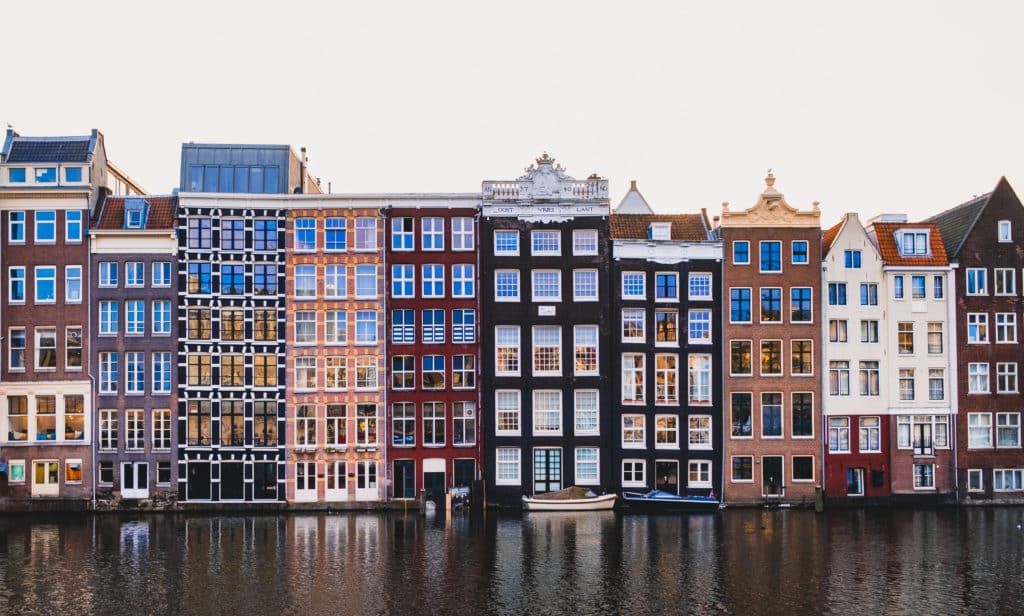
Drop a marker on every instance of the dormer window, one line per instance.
(659, 231)
(1004, 231)
(135, 213)
(914, 243)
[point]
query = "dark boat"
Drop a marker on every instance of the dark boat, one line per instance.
(658, 501)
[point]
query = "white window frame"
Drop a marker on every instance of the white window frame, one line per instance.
(582, 410)
(580, 248)
(513, 276)
(502, 407)
(643, 285)
(463, 234)
(580, 281)
(506, 233)
(588, 479)
(535, 283)
(546, 252)
(540, 398)
(509, 457)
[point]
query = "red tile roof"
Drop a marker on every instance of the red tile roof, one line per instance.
(886, 238)
(830, 236)
(685, 227)
(162, 213)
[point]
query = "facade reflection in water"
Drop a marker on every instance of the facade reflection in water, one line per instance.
(873, 561)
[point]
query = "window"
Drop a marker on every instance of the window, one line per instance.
(839, 378)
(1004, 231)
(700, 327)
(633, 324)
(199, 233)
(108, 318)
(433, 326)
(305, 327)
(305, 281)
(198, 323)
(586, 403)
(161, 373)
(305, 425)
(975, 482)
(1005, 281)
(584, 242)
(979, 430)
(851, 259)
(700, 432)
(935, 338)
(507, 463)
(433, 372)
(462, 233)
(232, 279)
(938, 289)
(433, 280)
(199, 369)
(546, 243)
(547, 412)
(977, 281)
(803, 468)
(232, 234)
(771, 305)
(433, 424)
(46, 227)
(108, 373)
(742, 468)
(771, 256)
(506, 350)
(1008, 430)
(463, 326)
(739, 305)
(699, 379)
(73, 284)
(837, 330)
(463, 423)
(232, 323)
(46, 284)
(666, 431)
(802, 357)
(771, 415)
(16, 284)
(265, 423)
(585, 349)
(199, 278)
(135, 431)
(837, 294)
(771, 358)
(869, 331)
(463, 280)
(335, 234)
(463, 371)
(905, 338)
(265, 370)
(742, 406)
(666, 379)
(913, 243)
(366, 281)
(977, 327)
(936, 384)
(918, 289)
(633, 378)
(587, 465)
(265, 280)
(1006, 378)
(740, 352)
(547, 350)
(869, 378)
(506, 411)
(402, 234)
(17, 349)
(1006, 327)
(906, 383)
(72, 224)
(403, 424)
(305, 234)
(584, 285)
(1007, 479)
(506, 286)
(74, 418)
(366, 372)
(135, 372)
(46, 348)
(741, 252)
(547, 285)
(506, 243)
(839, 435)
(265, 234)
(666, 327)
(336, 369)
(232, 370)
(700, 286)
(800, 309)
(135, 314)
(366, 327)
(633, 285)
(666, 286)
(73, 347)
(16, 227)
(800, 252)
(897, 287)
(869, 294)
(924, 476)
(433, 233)
(633, 431)
(366, 234)
(108, 429)
(977, 378)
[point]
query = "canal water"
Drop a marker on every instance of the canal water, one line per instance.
(863, 562)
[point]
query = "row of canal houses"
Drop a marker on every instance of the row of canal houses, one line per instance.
(252, 339)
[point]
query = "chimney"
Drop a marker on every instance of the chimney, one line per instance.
(632, 184)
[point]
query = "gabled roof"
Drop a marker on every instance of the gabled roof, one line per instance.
(162, 213)
(633, 202)
(78, 149)
(885, 237)
(830, 236)
(956, 223)
(685, 227)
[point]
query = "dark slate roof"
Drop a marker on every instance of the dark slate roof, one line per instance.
(50, 150)
(162, 213)
(956, 223)
(685, 227)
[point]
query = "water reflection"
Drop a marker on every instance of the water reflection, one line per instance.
(893, 562)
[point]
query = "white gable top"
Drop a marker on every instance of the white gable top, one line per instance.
(633, 202)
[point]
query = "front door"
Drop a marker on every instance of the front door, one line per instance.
(547, 469)
(337, 481)
(366, 480)
(771, 472)
(232, 483)
(433, 483)
(667, 478)
(855, 482)
(198, 481)
(305, 481)
(405, 479)
(45, 478)
(923, 439)
(135, 480)
(465, 472)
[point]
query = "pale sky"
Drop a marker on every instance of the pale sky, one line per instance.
(868, 106)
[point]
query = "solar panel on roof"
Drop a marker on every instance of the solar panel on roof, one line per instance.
(49, 151)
